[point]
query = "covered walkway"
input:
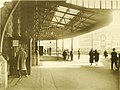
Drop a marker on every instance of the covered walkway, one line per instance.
(75, 75)
(27, 24)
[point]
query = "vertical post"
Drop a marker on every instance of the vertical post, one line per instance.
(72, 37)
(37, 53)
(105, 4)
(117, 4)
(34, 52)
(92, 40)
(94, 3)
(0, 22)
(111, 4)
(62, 45)
(56, 48)
(88, 3)
(71, 43)
(76, 2)
(82, 3)
(100, 4)
(30, 55)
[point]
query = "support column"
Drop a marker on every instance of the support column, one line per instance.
(92, 40)
(3, 62)
(56, 47)
(100, 4)
(34, 53)
(3, 73)
(71, 43)
(62, 45)
(37, 53)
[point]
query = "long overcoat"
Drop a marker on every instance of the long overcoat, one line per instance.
(21, 61)
(91, 56)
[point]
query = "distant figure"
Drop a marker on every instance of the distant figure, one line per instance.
(64, 55)
(96, 56)
(45, 51)
(50, 51)
(21, 62)
(79, 53)
(68, 54)
(91, 56)
(114, 59)
(105, 54)
(71, 54)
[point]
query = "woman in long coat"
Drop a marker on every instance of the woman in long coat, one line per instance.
(21, 61)
(96, 54)
(91, 56)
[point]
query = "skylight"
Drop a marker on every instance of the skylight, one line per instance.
(73, 11)
(61, 8)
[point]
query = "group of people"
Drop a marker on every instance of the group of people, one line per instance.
(67, 55)
(94, 56)
(47, 51)
(115, 58)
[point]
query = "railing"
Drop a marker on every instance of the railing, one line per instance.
(100, 4)
(3, 73)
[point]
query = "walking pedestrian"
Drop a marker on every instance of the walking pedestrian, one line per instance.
(79, 53)
(114, 59)
(64, 55)
(96, 57)
(91, 56)
(105, 54)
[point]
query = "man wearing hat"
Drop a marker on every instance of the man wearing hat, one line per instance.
(114, 59)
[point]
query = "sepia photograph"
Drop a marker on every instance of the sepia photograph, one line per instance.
(59, 44)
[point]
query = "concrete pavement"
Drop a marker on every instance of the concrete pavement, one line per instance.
(75, 75)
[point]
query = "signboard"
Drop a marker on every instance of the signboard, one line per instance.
(15, 42)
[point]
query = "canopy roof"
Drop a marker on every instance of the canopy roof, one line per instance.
(57, 19)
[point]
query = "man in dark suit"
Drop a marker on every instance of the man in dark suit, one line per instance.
(114, 59)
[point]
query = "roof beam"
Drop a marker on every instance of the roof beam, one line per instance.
(74, 15)
(54, 21)
(66, 13)
(76, 7)
(58, 23)
(61, 17)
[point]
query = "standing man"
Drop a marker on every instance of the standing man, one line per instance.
(71, 54)
(114, 59)
(79, 53)
(21, 62)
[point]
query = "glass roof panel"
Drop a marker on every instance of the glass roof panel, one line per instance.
(56, 19)
(67, 20)
(61, 8)
(73, 11)
(69, 16)
(59, 14)
(63, 21)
